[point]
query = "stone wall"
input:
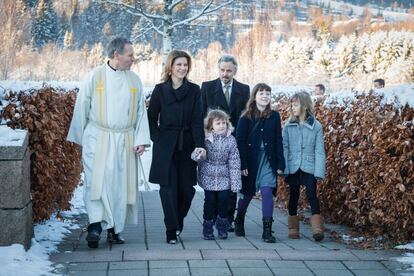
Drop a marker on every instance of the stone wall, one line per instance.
(15, 200)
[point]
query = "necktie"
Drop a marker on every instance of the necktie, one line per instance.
(227, 93)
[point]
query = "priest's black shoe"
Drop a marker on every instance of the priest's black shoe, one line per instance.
(114, 238)
(94, 234)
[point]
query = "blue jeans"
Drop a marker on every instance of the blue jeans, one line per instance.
(215, 200)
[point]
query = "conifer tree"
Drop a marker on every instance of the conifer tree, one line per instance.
(44, 25)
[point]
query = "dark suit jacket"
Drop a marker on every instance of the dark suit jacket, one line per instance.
(176, 124)
(212, 97)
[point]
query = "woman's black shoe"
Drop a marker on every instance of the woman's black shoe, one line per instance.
(114, 238)
(180, 227)
(171, 236)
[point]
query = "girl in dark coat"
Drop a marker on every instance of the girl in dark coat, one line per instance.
(259, 139)
(176, 128)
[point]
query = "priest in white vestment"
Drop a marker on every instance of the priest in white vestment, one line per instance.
(110, 123)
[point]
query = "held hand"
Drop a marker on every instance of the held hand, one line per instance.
(139, 150)
(244, 172)
(279, 172)
(201, 152)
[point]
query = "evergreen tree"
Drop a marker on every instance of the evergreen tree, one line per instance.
(64, 27)
(44, 25)
(75, 23)
(31, 3)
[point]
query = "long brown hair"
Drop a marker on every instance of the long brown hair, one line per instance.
(251, 111)
(172, 56)
(306, 105)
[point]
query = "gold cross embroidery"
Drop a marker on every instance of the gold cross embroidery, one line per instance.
(100, 87)
(133, 90)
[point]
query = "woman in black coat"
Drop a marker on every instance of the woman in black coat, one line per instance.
(176, 128)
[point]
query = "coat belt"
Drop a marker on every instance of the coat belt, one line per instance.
(181, 136)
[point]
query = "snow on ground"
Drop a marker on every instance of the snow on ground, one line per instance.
(11, 137)
(408, 246)
(407, 258)
(14, 260)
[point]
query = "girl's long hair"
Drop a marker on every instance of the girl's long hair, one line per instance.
(306, 105)
(252, 111)
(172, 56)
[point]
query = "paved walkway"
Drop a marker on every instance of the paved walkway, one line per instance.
(147, 253)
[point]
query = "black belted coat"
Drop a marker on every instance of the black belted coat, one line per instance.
(176, 124)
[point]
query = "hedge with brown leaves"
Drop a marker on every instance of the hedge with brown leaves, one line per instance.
(370, 166)
(370, 160)
(55, 163)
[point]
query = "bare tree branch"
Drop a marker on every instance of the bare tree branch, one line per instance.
(133, 10)
(205, 10)
(173, 4)
(219, 7)
(198, 25)
(143, 31)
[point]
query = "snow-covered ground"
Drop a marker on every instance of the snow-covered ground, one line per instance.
(14, 260)
(408, 257)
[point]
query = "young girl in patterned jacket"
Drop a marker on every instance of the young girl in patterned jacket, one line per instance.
(219, 173)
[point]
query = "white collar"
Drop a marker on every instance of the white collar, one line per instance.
(229, 84)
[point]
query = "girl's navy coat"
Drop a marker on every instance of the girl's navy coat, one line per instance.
(249, 135)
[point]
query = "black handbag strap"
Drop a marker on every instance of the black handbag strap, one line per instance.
(253, 129)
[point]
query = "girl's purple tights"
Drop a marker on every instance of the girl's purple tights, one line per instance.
(267, 202)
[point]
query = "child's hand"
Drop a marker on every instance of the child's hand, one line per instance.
(244, 172)
(201, 152)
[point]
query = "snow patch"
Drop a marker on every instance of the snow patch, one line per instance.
(408, 246)
(17, 86)
(11, 137)
(14, 260)
(408, 259)
(399, 96)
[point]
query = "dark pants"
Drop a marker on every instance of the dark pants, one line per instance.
(176, 197)
(307, 180)
(231, 207)
(216, 200)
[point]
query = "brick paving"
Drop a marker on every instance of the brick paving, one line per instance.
(146, 252)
